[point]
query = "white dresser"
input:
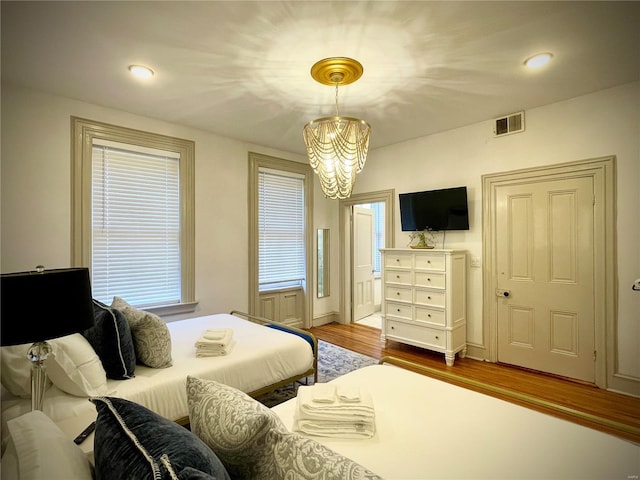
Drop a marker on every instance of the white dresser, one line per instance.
(424, 299)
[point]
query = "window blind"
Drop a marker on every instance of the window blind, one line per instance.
(281, 255)
(135, 225)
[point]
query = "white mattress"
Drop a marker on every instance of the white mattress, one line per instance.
(260, 357)
(426, 428)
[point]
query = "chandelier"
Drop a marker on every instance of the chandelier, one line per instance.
(337, 146)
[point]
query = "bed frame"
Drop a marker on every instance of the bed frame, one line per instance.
(309, 337)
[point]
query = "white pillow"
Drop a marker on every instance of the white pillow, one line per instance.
(75, 367)
(15, 370)
(44, 452)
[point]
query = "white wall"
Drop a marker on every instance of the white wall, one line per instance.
(36, 194)
(600, 124)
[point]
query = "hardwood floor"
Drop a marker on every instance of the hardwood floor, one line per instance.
(579, 402)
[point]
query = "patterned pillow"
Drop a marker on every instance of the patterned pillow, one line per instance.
(253, 443)
(131, 441)
(151, 337)
(295, 456)
(111, 338)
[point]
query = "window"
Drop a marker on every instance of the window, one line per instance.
(133, 215)
(281, 230)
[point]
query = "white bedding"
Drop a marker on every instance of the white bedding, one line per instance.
(427, 428)
(260, 357)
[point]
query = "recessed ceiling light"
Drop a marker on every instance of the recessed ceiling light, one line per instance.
(538, 60)
(141, 71)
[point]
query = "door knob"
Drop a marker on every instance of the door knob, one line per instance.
(503, 293)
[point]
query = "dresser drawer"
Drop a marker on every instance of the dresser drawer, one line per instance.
(429, 297)
(429, 279)
(398, 293)
(428, 336)
(429, 315)
(430, 261)
(399, 310)
(398, 276)
(398, 260)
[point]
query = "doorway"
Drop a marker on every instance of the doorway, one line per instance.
(549, 277)
(352, 256)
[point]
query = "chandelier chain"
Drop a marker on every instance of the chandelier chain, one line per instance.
(337, 112)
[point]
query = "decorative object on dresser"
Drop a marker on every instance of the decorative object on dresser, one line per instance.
(423, 239)
(38, 306)
(424, 299)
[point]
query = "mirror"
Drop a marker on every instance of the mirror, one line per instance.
(323, 262)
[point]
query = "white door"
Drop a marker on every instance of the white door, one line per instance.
(363, 301)
(545, 267)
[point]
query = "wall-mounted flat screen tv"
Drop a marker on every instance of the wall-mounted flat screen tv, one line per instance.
(444, 209)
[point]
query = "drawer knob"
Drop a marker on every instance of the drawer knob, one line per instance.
(397, 259)
(428, 261)
(429, 298)
(398, 309)
(397, 276)
(429, 315)
(397, 293)
(437, 337)
(428, 279)
(392, 327)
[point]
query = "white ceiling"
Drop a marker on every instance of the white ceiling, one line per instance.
(241, 69)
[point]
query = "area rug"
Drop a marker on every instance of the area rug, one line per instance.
(333, 361)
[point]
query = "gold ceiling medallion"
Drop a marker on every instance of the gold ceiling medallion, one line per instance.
(337, 146)
(336, 70)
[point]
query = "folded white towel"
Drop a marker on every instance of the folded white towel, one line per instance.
(349, 394)
(215, 333)
(223, 341)
(350, 411)
(350, 430)
(214, 351)
(323, 393)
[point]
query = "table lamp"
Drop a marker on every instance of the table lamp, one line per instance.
(40, 305)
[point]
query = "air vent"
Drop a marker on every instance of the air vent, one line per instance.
(513, 123)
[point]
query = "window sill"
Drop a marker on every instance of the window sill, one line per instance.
(280, 290)
(175, 309)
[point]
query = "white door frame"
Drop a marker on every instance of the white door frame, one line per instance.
(344, 212)
(602, 170)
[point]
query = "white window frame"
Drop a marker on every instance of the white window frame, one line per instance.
(288, 249)
(83, 134)
(256, 162)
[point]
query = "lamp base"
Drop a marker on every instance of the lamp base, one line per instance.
(38, 353)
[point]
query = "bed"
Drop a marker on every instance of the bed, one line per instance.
(427, 428)
(265, 355)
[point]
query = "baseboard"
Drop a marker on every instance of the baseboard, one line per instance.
(476, 352)
(324, 319)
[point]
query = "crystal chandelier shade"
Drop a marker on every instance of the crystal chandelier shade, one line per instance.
(337, 146)
(337, 149)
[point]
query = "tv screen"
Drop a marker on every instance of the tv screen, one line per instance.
(444, 209)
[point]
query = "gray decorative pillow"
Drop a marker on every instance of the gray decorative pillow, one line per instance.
(111, 339)
(253, 443)
(151, 337)
(131, 441)
(295, 456)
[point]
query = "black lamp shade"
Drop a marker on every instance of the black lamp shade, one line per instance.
(38, 306)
